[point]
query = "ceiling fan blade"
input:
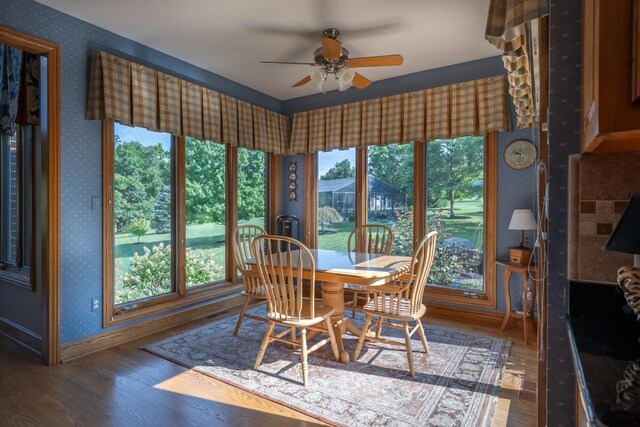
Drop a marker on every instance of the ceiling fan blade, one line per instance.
(302, 82)
(360, 81)
(375, 61)
(331, 48)
(288, 62)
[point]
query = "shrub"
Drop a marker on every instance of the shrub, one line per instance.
(328, 215)
(448, 261)
(139, 227)
(150, 273)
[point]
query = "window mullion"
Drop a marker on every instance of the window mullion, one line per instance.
(419, 191)
(179, 213)
(361, 186)
(231, 209)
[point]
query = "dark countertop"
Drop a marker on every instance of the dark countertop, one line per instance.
(605, 340)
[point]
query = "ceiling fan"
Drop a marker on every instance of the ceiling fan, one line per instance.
(333, 59)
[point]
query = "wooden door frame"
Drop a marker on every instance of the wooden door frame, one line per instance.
(50, 279)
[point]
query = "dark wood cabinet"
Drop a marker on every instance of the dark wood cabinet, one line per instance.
(610, 118)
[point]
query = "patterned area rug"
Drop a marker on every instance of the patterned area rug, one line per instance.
(456, 384)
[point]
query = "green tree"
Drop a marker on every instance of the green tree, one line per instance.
(162, 215)
(328, 215)
(205, 181)
(251, 168)
(139, 227)
(342, 169)
(455, 169)
(140, 171)
(393, 164)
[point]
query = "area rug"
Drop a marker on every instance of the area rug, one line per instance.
(456, 384)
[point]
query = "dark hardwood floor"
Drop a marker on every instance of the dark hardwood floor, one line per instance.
(125, 386)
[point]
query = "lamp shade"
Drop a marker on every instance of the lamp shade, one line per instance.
(345, 78)
(318, 78)
(522, 219)
(626, 236)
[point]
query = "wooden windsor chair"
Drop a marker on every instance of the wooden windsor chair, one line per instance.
(253, 286)
(281, 262)
(400, 302)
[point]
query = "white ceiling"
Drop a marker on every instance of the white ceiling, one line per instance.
(230, 37)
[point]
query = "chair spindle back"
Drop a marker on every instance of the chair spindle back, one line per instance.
(242, 237)
(420, 267)
(281, 262)
(372, 239)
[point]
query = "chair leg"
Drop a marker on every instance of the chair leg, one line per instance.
(407, 343)
(305, 365)
(332, 338)
(363, 335)
(379, 328)
(265, 343)
(423, 338)
(241, 316)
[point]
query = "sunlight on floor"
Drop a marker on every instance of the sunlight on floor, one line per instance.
(195, 384)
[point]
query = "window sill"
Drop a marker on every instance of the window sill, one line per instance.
(171, 302)
(13, 276)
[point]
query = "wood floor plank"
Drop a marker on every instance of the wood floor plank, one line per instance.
(125, 386)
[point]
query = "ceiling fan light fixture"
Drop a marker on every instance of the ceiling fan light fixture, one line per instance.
(345, 78)
(318, 79)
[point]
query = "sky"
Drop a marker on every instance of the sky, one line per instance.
(143, 136)
(327, 160)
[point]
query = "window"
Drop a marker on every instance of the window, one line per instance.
(444, 185)
(143, 234)
(390, 182)
(16, 159)
(455, 197)
(251, 187)
(336, 198)
(206, 181)
(170, 208)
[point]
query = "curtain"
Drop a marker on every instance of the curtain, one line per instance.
(469, 108)
(10, 65)
(135, 95)
(506, 30)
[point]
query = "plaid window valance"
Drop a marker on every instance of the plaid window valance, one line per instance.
(470, 108)
(135, 95)
(506, 30)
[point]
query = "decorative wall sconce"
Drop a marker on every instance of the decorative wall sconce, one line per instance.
(293, 176)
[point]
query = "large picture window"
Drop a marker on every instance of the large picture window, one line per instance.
(171, 204)
(336, 198)
(444, 185)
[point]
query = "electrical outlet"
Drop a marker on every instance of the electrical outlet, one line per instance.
(95, 304)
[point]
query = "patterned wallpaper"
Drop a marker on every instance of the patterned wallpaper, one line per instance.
(564, 140)
(81, 233)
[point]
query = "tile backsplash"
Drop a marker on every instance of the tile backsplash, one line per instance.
(599, 190)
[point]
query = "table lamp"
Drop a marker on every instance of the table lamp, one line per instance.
(626, 238)
(522, 219)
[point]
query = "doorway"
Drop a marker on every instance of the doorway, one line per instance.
(44, 182)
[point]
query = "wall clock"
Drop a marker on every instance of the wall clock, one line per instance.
(520, 154)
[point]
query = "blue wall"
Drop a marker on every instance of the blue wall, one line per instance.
(564, 139)
(516, 189)
(81, 233)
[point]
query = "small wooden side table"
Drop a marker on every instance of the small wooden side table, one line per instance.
(523, 270)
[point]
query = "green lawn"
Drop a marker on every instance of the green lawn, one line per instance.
(468, 226)
(209, 238)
